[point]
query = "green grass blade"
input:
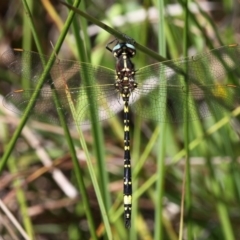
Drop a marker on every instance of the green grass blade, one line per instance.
(159, 191)
(32, 27)
(28, 226)
(27, 37)
(96, 131)
(187, 174)
(221, 207)
(92, 173)
(197, 141)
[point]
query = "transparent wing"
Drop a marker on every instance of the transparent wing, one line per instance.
(80, 81)
(45, 108)
(154, 81)
(30, 65)
(206, 95)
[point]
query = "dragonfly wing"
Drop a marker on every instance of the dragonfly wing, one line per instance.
(30, 65)
(164, 84)
(83, 84)
(105, 100)
(45, 109)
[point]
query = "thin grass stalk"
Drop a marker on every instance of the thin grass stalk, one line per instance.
(174, 53)
(193, 17)
(150, 145)
(169, 228)
(77, 170)
(159, 191)
(139, 225)
(102, 195)
(82, 43)
(197, 141)
(116, 214)
(21, 200)
(214, 27)
(31, 24)
(93, 176)
(96, 129)
(218, 193)
(234, 172)
(26, 44)
(227, 146)
(166, 222)
(99, 148)
(59, 23)
(84, 29)
(13, 220)
(221, 207)
(27, 40)
(91, 169)
(187, 174)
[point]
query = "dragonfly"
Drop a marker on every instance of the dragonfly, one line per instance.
(186, 84)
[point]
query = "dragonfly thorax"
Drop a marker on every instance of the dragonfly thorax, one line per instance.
(125, 88)
(124, 68)
(125, 71)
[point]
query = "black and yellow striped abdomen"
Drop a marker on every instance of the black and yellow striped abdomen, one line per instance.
(127, 179)
(125, 85)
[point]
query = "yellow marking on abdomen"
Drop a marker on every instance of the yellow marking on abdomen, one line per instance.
(127, 199)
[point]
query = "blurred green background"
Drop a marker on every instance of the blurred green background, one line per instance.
(41, 182)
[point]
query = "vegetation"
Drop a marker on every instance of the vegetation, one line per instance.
(65, 182)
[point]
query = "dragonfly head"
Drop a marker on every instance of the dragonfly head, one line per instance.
(127, 48)
(124, 47)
